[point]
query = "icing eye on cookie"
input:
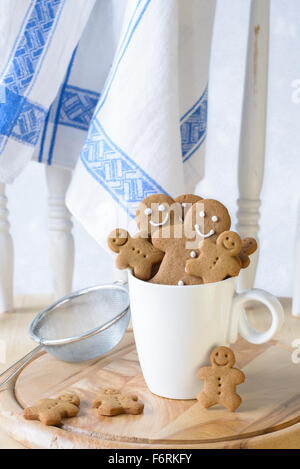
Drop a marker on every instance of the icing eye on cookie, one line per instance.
(161, 208)
(202, 214)
(214, 218)
(148, 211)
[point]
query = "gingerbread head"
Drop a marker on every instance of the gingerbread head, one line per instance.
(186, 201)
(156, 211)
(117, 239)
(223, 357)
(206, 219)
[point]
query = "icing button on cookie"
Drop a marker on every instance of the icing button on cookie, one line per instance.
(180, 283)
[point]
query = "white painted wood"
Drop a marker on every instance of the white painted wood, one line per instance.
(6, 256)
(61, 245)
(253, 131)
(296, 279)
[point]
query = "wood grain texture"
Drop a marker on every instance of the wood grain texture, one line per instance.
(269, 416)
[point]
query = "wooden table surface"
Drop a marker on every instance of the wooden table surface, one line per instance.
(15, 342)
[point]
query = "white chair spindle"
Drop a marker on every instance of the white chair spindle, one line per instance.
(61, 246)
(253, 131)
(6, 256)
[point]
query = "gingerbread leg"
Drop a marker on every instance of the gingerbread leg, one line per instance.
(206, 401)
(50, 417)
(231, 402)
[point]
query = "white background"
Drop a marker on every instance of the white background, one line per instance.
(281, 190)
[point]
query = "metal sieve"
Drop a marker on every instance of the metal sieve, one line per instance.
(83, 325)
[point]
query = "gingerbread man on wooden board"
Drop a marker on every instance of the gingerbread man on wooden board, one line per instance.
(52, 411)
(137, 253)
(217, 261)
(220, 380)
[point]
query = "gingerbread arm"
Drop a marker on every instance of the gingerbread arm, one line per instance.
(193, 267)
(143, 271)
(31, 413)
(122, 261)
(96, 403)
(249, 246)
(204, 372)
(239, 376)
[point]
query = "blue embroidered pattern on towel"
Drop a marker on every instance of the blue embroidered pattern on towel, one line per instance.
(31, 46)
(193, 127)
(76, 111)
(77, 107)
(126, 182)
(20, 118)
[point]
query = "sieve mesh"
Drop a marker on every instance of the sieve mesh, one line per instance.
(81, 314)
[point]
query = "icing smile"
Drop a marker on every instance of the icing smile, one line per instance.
(198, 231)
(162, 223)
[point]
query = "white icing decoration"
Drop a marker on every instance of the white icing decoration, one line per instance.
(161, 208)
(180, 283)
(148, 211)
(202, 214)
(193, 254)
(214, 218)
(198, 231)
(162, 223)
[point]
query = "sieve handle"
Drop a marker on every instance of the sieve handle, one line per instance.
(17, 366)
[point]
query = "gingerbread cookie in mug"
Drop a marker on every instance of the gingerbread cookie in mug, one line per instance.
(206, 219)
(136, 253)
(156, 211)
(219, 260)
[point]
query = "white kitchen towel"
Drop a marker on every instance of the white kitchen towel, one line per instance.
(37, 40)
(68, 118)
(149, 127)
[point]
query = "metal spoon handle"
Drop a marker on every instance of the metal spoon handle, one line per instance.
(18, 365)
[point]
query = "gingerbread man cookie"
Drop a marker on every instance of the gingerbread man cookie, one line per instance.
(137, 253)
(52, 411)
(172, 269)
(206, 219)
(220, 380)
(217, 260)
(249, 246)
(111, 402)
(155, 211)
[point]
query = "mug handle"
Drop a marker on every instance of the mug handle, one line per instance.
(240, 320)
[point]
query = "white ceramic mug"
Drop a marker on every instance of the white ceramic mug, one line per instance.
(176, 328)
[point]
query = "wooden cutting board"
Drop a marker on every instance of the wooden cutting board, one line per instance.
(268, 418)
